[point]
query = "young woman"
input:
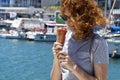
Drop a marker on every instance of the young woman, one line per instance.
(72, 61)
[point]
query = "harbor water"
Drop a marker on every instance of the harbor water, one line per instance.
(30, 60)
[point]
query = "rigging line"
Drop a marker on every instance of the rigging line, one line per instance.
(111, 10)
(109, 17)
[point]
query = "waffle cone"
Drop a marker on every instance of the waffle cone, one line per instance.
(61, 32)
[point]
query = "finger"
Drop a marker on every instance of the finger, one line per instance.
(56, 50)
(56, 43)
(67, 57)
(63, 63)
(61, 56)
(63, 53)
(58, 47)
(63, 60)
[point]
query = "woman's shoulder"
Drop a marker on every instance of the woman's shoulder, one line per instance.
(98, 40)
(100, 48)
(97, 37)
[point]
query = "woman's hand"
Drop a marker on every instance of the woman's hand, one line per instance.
(56, 70)
(57, 47)
(65, 60)
(62, 56)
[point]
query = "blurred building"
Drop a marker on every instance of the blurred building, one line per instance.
(108, 3)
(41, 3)
(4, 3)
(50, 2)
(27, 3)
(20, 3)
(23, 7)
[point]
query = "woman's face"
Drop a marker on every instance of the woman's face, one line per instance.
(68, 21)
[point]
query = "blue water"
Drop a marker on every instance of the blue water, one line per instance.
(25, 60)
(29, 60)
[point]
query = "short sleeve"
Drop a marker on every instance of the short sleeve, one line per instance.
(101, 54)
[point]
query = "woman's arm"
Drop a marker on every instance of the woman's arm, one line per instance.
(100, 72)
(100, 64)
(56, 70)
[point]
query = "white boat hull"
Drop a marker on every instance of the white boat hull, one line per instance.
(9, 36)
(42, 37)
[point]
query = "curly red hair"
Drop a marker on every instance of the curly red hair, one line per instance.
(88, 16)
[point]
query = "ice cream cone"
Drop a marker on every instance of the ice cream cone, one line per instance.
(61, 32)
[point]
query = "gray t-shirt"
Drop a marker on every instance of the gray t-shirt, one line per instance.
(79, 51)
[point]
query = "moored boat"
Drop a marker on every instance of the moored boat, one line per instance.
(48, 32)
(116, 56)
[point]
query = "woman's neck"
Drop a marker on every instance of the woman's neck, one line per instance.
(75, 37)
(78, 38)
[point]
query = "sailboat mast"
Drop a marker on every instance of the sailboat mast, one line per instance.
(109, 18)
(105, 7)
